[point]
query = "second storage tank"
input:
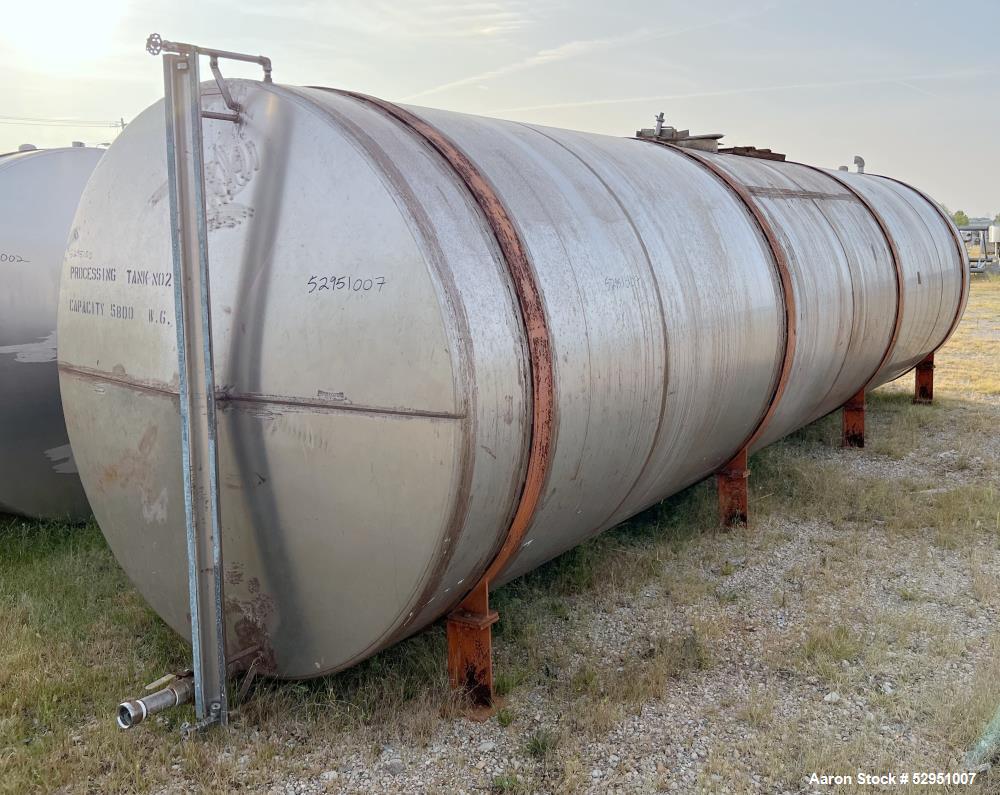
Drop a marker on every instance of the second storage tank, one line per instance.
(39, 189)
(419, 316)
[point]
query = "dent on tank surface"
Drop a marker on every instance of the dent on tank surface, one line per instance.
(39, 189)
(387, 284)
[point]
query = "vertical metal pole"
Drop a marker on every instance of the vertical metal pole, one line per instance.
(193, 321)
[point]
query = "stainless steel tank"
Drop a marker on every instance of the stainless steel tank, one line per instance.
(39, 189)
(378, 365)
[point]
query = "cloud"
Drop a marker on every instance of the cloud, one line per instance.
(404, 21)
(575, 49)
(728, 92)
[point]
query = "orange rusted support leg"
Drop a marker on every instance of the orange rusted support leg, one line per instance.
(731, 481)
(924, 392)
(854, 421)
(470, 647)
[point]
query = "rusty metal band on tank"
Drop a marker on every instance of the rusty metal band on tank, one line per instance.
(962, 256)
(896, 266)
(731, 478)
(787, 294)
(380, 355)
(853, 415)
(469, 639)
(532, 313)
(925, 367)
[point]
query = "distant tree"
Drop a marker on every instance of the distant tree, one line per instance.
(996, 218)
(960, 218)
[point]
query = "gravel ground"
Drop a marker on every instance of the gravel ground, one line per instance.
(761, 591)
(852, 626)
(817, 648)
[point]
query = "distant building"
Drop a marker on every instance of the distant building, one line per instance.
(977, 238)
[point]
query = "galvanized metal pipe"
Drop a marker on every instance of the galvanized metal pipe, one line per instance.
(134, 711)
(389, 286)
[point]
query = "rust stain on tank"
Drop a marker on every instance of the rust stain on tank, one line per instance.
(508, 409)
(134, 465)
(233, 573)
(249, 617)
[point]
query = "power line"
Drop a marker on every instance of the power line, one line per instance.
(43, 124)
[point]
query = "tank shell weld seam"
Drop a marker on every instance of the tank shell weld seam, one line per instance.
(91, 374)
(308, 404)
(798, 193)
(662, 325)
(224, 397)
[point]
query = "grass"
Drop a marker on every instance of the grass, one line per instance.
(510, 784)
(601, 696)
(67, 643)
(70, 620)
(541, 744)
(758, 709)
(968, 363)
(827, 646)
(68, 655)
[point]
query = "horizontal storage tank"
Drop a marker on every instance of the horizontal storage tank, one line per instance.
(39, 190)
(419, 316)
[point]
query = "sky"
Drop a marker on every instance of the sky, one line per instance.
(913, 87)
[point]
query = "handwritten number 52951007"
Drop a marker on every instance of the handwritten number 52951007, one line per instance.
(318, 284)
